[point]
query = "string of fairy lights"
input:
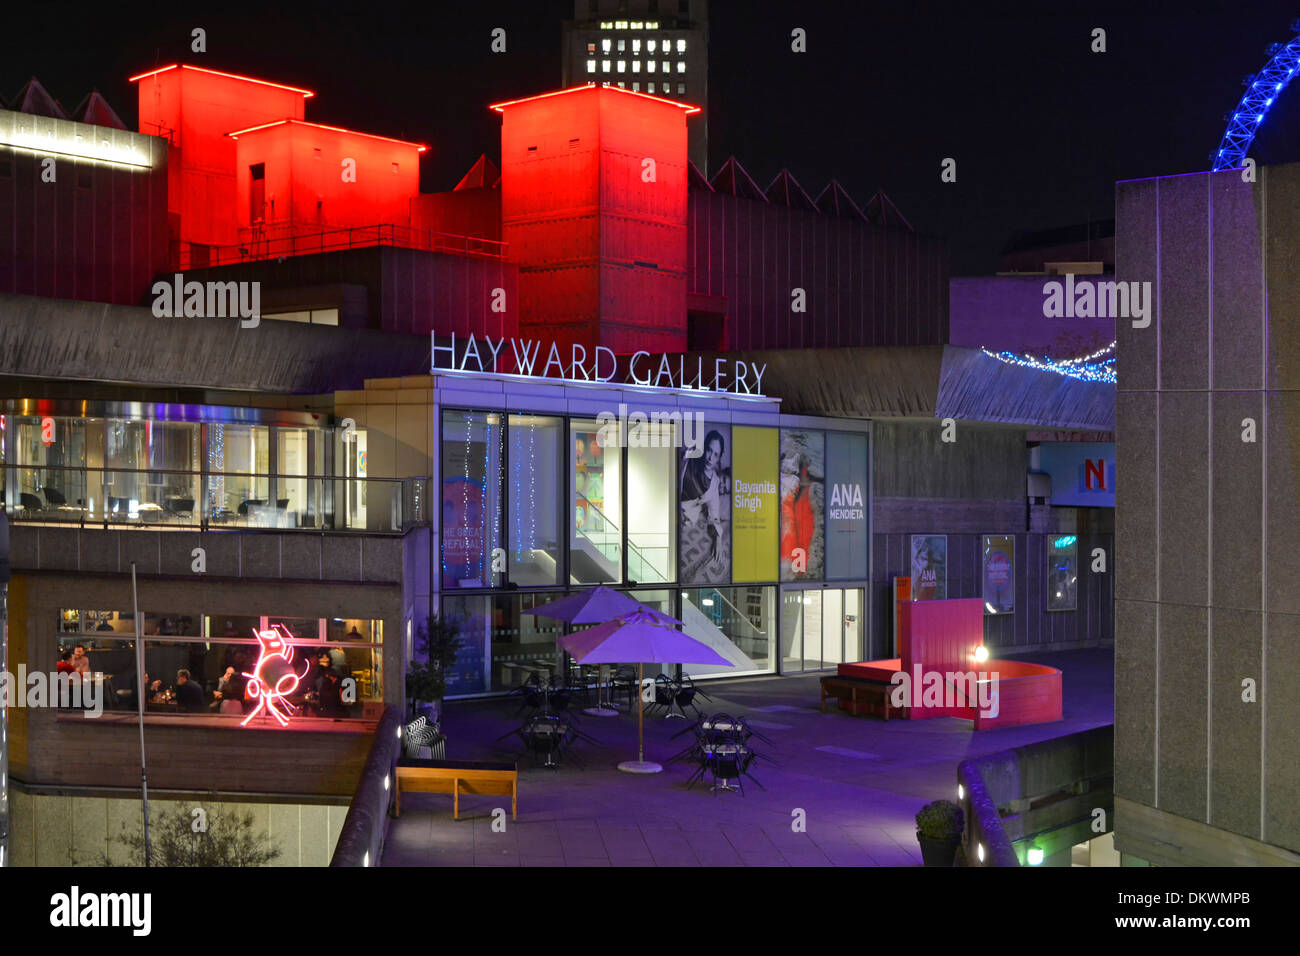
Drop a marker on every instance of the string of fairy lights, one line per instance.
(1096, 367)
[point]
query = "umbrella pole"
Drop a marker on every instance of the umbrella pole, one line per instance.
(640, 765)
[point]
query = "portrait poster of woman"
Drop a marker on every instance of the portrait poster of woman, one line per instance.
(704, 518)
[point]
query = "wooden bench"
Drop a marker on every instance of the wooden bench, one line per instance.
(457, 777)
(855, 689)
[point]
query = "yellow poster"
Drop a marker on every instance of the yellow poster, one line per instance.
(755, 508)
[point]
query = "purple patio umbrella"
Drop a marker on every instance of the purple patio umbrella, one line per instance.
(595, 607)
(641, 636)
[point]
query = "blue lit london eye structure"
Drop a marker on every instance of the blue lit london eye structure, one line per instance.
(1261, 90)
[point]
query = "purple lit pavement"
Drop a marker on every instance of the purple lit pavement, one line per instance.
(859, 781)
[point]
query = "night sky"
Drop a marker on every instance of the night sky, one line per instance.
(1041, 127)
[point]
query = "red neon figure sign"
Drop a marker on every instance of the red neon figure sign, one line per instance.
(273, 678)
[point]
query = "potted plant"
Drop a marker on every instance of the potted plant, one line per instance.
(938, 830)
(438, 641)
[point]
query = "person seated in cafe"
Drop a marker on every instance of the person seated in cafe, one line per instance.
(65, 663)
(338, 661)
(228, 688)
(327, 689)
(80, 662)
(104, 626)
(188, 693)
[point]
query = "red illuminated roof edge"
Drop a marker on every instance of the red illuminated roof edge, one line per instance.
(233, 76)
(500, 107)
(337, 129)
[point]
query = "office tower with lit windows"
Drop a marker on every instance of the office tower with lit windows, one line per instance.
(647, 46)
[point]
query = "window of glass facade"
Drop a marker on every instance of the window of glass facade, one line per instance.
(736, 622)
(596, 477)
(238, 462)
(473, 471)
(150, 471)
(535, 500)
(652, 503)
(503, 647)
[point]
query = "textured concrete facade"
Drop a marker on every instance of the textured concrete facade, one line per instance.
(1207, 595)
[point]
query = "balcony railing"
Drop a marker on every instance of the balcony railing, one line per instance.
(276, 240)
(211, 501)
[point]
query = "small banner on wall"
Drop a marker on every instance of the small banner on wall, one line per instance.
(999, 574)
(929, 567)
(754, 507)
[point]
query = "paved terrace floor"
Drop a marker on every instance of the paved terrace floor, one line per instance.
(860, 781)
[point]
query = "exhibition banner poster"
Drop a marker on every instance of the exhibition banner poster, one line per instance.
(704, 510)
(803, 504)
(847, 541)
(754, 503)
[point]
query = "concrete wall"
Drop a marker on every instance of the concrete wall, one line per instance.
(52, 829)
(1208, 596)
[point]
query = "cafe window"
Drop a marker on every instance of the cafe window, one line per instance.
(216, 651)
(652, 497)
(534, 510)
(472, 463)
(596, 477)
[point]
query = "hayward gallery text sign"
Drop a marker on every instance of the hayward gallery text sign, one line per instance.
(532, 357)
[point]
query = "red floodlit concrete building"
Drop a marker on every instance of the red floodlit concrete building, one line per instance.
(194, 109)
(294, 177)
(593, 207)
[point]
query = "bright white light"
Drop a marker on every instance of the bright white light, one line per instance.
(385, 783)
(961, 792)
(981, 654)
(1034, 855)
(591, 66)
(708, 602)
(366, 861)
(72, 142)
(681, 46)
(604, 45)
(979, 849)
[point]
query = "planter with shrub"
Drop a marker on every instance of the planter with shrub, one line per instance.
(938, 830)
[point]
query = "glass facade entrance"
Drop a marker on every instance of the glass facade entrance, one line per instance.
(820, 628)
